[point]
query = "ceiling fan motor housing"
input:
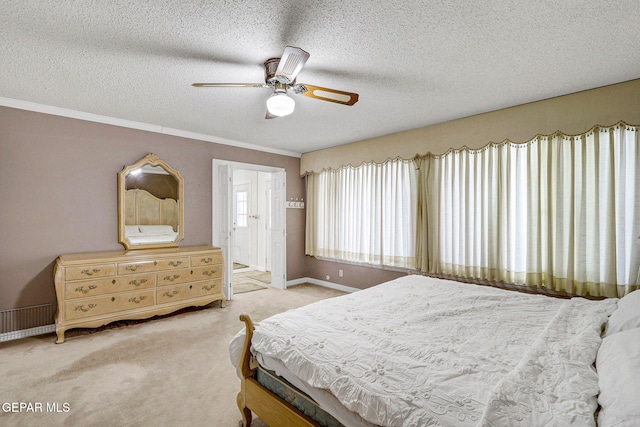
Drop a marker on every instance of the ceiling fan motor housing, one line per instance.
(270, 68)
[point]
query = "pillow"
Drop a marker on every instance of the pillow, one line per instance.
(618, 366)
(131, 230)
(155, 230)
(626, 316)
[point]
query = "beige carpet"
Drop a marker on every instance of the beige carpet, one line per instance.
(252, 280)
(173, 371)
(264, 276)
(246, 286)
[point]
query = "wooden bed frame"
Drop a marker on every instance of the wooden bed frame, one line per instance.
(143, 208)
(254, 397)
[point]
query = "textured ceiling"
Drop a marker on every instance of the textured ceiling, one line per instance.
(414, 63)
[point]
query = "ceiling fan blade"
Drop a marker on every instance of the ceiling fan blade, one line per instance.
(291, 62)
(268, 116)
(230, 85)
(326, 94)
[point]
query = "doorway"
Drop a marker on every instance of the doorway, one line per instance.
(249, 224)
(251, 229)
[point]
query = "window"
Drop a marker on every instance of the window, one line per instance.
(363, 214)
(559, 211)
(242, 216)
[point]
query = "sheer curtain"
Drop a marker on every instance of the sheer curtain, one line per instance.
(560, 211)
(363, 214)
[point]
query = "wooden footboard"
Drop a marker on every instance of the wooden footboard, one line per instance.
(253, 397)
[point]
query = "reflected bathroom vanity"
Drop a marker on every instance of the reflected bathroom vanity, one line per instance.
(152, 276)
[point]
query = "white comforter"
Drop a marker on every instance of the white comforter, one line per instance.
(420, 351)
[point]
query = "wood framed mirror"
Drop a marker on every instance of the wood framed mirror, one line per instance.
(150, 205)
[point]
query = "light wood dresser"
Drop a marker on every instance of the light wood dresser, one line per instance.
(97, 288)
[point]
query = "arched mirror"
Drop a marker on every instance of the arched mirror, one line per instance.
(150, 205)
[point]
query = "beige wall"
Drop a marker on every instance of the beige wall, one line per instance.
(571, 114)
(58, 194)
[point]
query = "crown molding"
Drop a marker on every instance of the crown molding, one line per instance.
(91, 117)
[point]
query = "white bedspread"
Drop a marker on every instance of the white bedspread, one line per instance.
(419, 351)
(152, 238)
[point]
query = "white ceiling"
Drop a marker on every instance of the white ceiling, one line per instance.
(413, 63)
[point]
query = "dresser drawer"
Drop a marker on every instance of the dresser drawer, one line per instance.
(180, 292)
(172, 293)
(204, 273)
(134, 267)
(212, 258)
(88, 307)
(89, 271)
(168, 264)
(174, 277)
(210, 287)
(89, 288)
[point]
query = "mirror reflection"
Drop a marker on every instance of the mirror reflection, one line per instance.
(151, 204)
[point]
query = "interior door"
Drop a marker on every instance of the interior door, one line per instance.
(242, 224)
(278, 230)
(221, 213)
(267, 223)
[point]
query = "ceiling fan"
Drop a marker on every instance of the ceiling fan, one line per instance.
(280, 75)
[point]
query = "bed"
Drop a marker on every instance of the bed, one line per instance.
(149, 219)
(144, 234)
(422, 351)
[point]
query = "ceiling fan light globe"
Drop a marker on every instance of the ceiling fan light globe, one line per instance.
(279, 104)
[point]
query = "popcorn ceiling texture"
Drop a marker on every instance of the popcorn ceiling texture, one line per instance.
(414, 63)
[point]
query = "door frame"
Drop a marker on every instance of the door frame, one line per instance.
(221, 230)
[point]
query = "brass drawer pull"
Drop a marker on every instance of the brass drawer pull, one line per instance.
(81, 288)
(170, 294)
(175, 263)
(209, 272)
(171, 278)
(136, 300)
(135, 282)
(89, 307)
(133, 267)
(90, 272)
(208, 287)
(206, 260)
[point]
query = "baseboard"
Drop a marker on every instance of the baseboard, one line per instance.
(324, 283)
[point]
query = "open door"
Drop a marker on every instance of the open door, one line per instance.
(278, 230)
(221, 217)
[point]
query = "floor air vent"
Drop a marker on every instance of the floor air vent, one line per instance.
(25, 322)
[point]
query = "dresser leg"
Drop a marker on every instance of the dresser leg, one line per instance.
(60, 333)
(223, 303)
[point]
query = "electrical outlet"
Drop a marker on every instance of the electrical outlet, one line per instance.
(328, 277)
(340, 273)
